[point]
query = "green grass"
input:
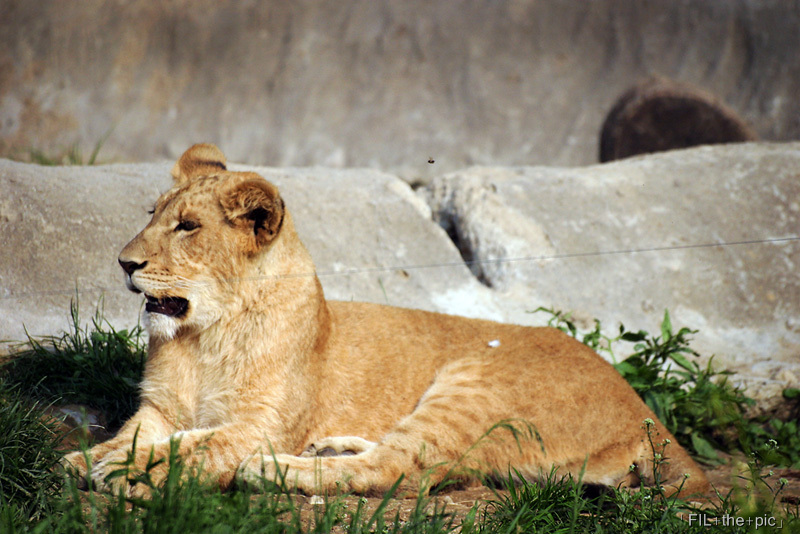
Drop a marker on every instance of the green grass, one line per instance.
(28, 441)
(565, 505)
(95, 366)
(186, 504)
(72, 155)
(100, 367)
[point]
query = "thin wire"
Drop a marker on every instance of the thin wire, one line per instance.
(367, 270)
(565, 256)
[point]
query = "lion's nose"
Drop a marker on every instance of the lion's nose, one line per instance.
(130, 266)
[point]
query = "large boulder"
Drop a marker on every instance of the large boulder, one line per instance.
(709, 233)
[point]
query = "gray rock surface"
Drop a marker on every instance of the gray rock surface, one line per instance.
(567, 238)
(62, 228)
(378, 83)
(556, 237)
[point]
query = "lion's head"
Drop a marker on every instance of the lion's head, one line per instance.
(208, 234)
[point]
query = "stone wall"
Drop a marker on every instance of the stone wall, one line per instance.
(377, 83)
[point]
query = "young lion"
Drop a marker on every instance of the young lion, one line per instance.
(247, 359)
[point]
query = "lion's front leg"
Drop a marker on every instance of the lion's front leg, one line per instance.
(310, 475)
(214, 453)
(137, 469)
(372, 472)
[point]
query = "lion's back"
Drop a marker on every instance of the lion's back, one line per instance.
(385, 359)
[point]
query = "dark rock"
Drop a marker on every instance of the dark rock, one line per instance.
(660, 114)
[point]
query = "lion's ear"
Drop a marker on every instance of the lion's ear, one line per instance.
(199, 160)
(255, 206)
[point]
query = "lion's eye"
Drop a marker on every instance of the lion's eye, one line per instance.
(187, 226)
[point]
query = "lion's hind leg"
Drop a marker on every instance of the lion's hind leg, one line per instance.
(650, 457)
(669, 465)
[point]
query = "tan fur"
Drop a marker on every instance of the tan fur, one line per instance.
(261, 362)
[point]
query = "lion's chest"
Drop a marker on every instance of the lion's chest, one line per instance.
(215, 400)
(213, 409)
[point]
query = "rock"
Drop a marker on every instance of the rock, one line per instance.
(659, 114)
(621, 242)
(80, 424)
(686, 231)
(62, 229)
(376, 83)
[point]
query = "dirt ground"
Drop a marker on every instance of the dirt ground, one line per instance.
(724, 477)
(460, 501)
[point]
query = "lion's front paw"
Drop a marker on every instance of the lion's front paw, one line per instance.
(338, 446)
(260, 471)
(110, 472)
(135, 475)
(75, 464)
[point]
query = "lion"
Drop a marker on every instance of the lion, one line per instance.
(256, 375)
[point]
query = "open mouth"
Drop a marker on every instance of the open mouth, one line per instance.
(169, 306)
